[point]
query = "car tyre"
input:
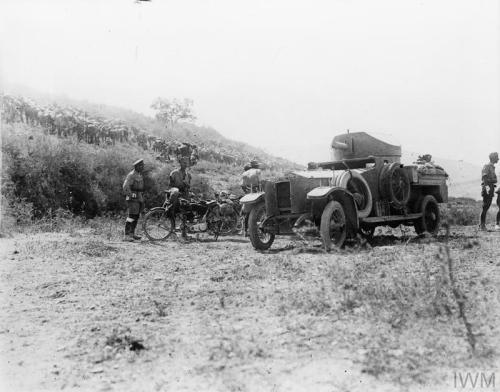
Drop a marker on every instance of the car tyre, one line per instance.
(431, 217)
(259, 239)
(333, 226)
(354, 182)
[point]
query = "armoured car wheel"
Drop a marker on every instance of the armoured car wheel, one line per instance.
(260, 240)
(355, 183)
(333, 227)
(395, 185)
(157, 225)
(429, 222)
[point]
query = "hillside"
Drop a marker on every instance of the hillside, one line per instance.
(60, 154)
(202, 136)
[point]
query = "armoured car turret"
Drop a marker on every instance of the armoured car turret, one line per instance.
(352, 145)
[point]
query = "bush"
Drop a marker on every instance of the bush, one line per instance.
(461, 214)
(42, 174)
(52, 174)
(466, 212)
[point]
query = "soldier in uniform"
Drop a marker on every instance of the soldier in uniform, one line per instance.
(133, 188)
(489, 181)
(180, 178)
(250, 179)
(497, 226)
(180, 182)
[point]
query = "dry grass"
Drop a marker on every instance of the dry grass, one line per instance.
(221, 314)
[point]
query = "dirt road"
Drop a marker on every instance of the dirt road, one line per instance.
(80, 311)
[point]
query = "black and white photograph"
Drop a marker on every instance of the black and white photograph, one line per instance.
(249, 196)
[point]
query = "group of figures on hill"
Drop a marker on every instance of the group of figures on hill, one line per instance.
(70, 121)
(73, 122)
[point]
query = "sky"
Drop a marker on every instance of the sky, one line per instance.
(282, 75)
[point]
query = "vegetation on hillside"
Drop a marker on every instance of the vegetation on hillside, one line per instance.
(43, 174)
(52, 166)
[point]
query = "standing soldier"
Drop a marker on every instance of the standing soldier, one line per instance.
(133, 188)
(250, 179)
(489, 181)
(497, 226)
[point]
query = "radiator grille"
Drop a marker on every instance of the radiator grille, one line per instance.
(283, 195)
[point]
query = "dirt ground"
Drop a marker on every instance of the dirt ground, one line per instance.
(83, 311)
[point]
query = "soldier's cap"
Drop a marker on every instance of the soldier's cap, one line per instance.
(493, 155)
(247, 167)
(254, 164)
(138, 161)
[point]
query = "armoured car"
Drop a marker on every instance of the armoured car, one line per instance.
(364, 186)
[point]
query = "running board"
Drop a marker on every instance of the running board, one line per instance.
(390, 218)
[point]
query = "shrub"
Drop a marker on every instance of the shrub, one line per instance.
(52, 174)
(42, 174)
(460, 214)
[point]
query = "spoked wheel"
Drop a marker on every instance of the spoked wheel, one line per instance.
(333, 227)
(429, 222)
(229, 224)
(157, 225)
(355, 183)
(400, 186)
(259, 238)
(395, 185)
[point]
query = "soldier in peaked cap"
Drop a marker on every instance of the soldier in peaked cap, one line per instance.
(133, 187)
(489, 182)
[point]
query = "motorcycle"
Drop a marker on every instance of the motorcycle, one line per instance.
(190, 216)
(230, 213)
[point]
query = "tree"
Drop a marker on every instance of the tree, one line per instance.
(171, 111)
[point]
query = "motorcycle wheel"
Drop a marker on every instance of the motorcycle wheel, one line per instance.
(157, 225)
(230, 223)
(214, 222)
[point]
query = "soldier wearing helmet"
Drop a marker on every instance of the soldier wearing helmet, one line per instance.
(489, 181)
(133, 187)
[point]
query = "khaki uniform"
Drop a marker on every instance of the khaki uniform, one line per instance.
(182, 180)
(133, 187)
(489, 181)
(250, 180)
(488, 174)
